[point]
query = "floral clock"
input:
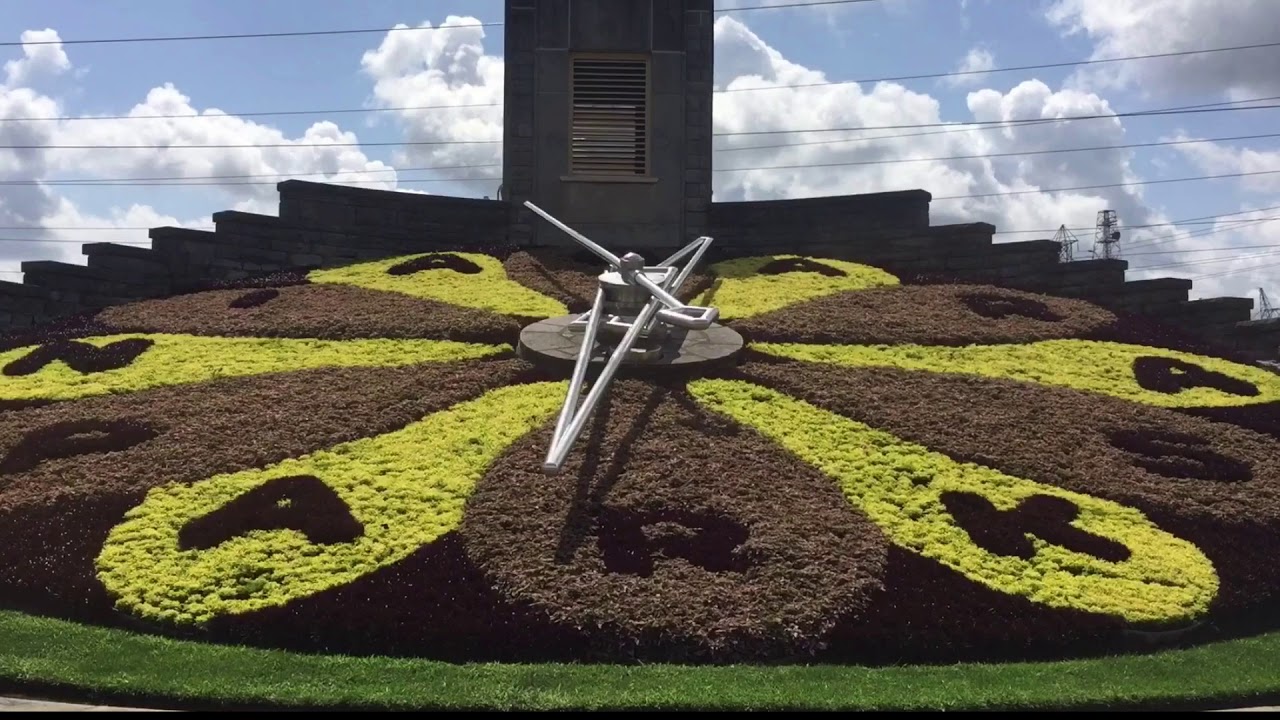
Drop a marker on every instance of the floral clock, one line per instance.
(348, 461)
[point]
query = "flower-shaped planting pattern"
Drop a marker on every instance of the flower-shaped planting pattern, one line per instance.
(352, 464)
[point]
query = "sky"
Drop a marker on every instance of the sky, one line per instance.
(340, 108)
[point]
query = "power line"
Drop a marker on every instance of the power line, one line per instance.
(183, 179)
(984, 156)
(1110, 185)
(178, 180)
(1151, 242)
(363, 31)
(1199, 219)
(1220, 248)
(1209, 261)
(954, 127)
(1000, 124)
(1043, 66)
(780, 6)
(862, 81)
(222, 115)
(406, 181)
(1228, 273)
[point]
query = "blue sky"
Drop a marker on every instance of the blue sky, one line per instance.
(866, 40)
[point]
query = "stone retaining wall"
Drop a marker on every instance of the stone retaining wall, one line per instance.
(322, 225)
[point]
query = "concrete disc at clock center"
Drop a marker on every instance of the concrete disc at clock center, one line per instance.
(550, 344)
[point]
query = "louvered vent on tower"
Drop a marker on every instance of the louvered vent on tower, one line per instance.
(610, 116)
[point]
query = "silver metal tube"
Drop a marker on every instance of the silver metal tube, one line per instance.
(558, 452)
(582, 362)
(675, 257)
(673, 283)
(687, 270)
(658, 293)
(607, 256)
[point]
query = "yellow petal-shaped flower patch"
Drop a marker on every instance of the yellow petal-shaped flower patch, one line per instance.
(244, 541)
(470, 280)
(1153, 376)
(744, 287)
(905, 489)
(69, 369)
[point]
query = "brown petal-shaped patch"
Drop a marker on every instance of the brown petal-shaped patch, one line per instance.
(928, 314)
(1213, 484)
(573, 281)
(931, 614)
(675, 534)
(435, 603)
(325, 310)
(56, 509)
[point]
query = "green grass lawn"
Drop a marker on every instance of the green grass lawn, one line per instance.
(81, 662)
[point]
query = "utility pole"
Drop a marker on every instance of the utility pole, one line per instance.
(1106, 237)
(1266, 311)
(1067, 242)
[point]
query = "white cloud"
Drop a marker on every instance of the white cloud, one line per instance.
(435, 67)
(852, 105)
(27, 205)
(977, 60)
(450, 67)
(1218, 159)
(1121, 28)
(47, 58)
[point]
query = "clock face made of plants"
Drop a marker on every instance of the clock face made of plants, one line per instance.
(350, 462)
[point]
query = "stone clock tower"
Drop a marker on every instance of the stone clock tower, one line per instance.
(608, 120)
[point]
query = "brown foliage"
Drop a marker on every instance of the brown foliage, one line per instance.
(327, 311)
(928, 314)
(675, 534)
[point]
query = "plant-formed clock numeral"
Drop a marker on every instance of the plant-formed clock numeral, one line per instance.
(800, 264)
(1179, 455)
(751, 286)
(631, 540)
(1170, 375)
(80, 356)
(302, 502)
(71, 438)
(476, 281)
(255, 298)
(441, 261)
(998, 307)
(1005, 532)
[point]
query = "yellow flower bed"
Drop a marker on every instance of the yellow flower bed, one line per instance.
(1088, 365)
(489, 289)
(739, 290)
(406, 488)
(900, 486)
(179, 359)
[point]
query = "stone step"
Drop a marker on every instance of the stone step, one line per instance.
(1153, 296)
(1083, 278)
(76, 285)
(127, 261)
(1214, 311)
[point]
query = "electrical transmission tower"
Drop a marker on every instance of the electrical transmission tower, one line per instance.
(1266, 311)
(1067, 242)
(1106, 238)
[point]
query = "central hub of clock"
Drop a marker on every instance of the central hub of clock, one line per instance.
(635, 323)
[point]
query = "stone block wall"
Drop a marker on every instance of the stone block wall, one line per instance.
(318, 225)
(323, 225)
(892, 231)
